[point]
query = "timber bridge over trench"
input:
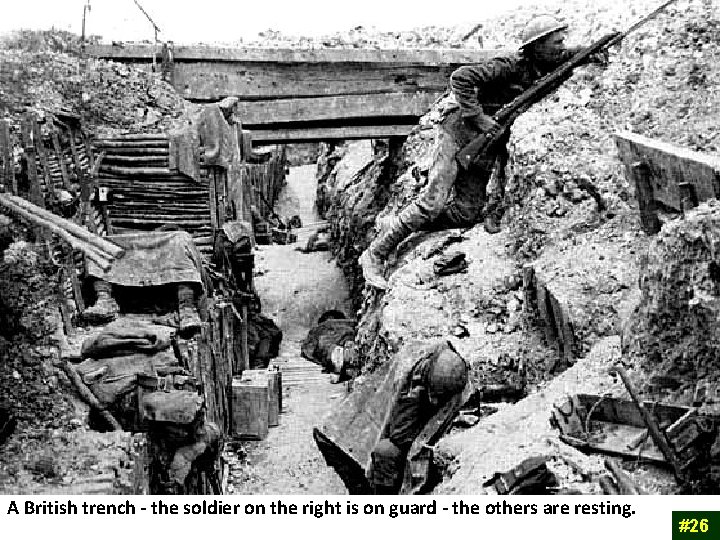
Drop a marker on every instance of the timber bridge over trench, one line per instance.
(290, 96)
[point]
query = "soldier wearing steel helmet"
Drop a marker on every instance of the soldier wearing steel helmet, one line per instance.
(432, 382)
(454, 197)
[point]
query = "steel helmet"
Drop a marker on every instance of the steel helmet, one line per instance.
(540, 27)
(449, 374)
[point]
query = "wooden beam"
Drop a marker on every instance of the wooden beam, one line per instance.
(215, 80)
(292, 135)
(254, 113)
(427, 57)
(670, 165)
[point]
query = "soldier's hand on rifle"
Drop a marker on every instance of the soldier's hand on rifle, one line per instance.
(602, 57)
(483, 123)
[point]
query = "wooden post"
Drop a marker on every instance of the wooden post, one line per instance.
(221, 194)
(36, 195)
(646, 200)
(74, 153)
(74, 281)
(6, 146)
(61, 160)
(545, 310)
(529, 291)
(213, 199)
(688, 196)
(563, 326)
(42, 154)
(87, 215)
(245, 359)
(228, 337)
(88, 149)
(66, 316)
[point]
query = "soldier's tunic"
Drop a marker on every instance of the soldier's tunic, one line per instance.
(410, 413)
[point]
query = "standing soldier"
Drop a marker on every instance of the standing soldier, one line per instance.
(454, 197)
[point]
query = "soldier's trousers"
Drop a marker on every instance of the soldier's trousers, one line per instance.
(454, 197)
(387, 468)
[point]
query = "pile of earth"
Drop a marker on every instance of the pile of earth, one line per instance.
(45, 72)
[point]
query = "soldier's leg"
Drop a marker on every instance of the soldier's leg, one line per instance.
(189, 317)
(466, 207)
(105, 308)
(420, 213)
(387, 468)
(493, 209)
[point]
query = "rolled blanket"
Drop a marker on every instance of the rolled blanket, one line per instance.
(123, 337)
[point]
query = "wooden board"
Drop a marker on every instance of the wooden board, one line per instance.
(251, 54)
(210, 81)
(670, 165)
(278, 136)
(211, 73)
(256, 113)
(352, 430)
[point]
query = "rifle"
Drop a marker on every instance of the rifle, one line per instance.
(542, 88)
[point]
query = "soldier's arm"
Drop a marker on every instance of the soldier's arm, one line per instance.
(469, 83)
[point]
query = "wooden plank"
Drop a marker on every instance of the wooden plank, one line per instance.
(143, 160)
(156, 172)
(670, 165)
(640, 174)
(254, 113)
(210, 81)
(6, 146)
(137, 137)
(177, 221)
(563, 328)
(621, 411)
(280, 136)
(137, 151)
(428, 57)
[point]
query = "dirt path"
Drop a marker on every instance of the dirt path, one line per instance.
(295, 288)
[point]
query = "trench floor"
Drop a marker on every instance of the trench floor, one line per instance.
(295, 289)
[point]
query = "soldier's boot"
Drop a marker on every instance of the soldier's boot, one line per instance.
(105, 308)
(493, 214)
(189, 316)
(373, 258)
(492, 224)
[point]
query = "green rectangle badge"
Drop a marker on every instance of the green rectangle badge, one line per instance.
(701, 525)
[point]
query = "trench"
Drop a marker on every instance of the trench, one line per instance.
(295, 288)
